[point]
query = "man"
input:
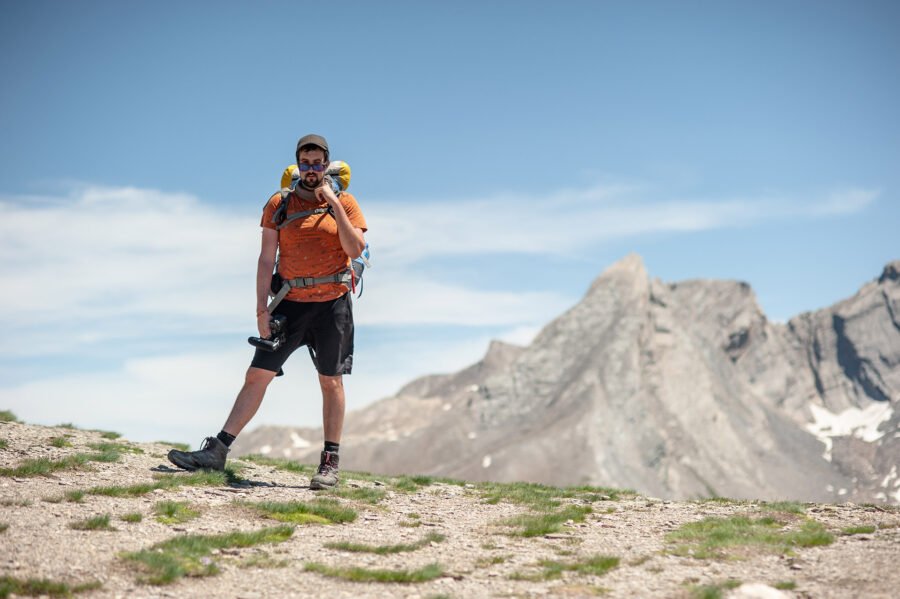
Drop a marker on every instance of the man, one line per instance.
(314, 254)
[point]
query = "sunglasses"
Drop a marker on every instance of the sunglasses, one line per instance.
(316, 167)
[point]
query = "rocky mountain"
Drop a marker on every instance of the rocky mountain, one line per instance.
(677, 390)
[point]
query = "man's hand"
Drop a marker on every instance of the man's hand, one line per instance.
(326, 194)
(262, 323)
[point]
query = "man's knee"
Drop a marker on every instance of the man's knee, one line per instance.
(259, 376)
(331, 384)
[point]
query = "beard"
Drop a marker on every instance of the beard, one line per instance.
(311, 180)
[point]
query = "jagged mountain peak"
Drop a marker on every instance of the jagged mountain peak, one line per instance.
(891, 272)
(501, 352)
(630, 270)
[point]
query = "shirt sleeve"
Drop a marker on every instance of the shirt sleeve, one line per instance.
(354, 213)
(269, 211)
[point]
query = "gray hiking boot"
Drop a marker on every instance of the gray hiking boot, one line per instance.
(211, 456)
(327, 476)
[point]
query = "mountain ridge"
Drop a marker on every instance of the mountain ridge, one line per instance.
(679, 390)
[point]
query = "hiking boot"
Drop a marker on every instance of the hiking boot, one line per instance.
(327, 476)
(211, 456)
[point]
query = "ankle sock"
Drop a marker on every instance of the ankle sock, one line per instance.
(332, 447)
(226, 438)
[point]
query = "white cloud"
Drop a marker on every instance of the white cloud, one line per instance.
(101, 263)
(402, 299)
(569, 221)
(846, 202)
(105, 264)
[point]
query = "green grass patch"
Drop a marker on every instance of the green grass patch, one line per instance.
(431, 537)
(174, 512)
(785, 585)
(7, 416)
(858, 530)
(414, 521)
(581, 590)
(596, 565)
(263, 560)
(895, 509)
(716, 537)
(4, 526)
(539, 497)
(790, 507)
(131, 517)
(15, 502)
(713, 591)
(723, 500)
(105, 452)
(60, 441)
(95, 523)
(36, 587)
(412, 483)
(74, 496)
(45, 466)
(535, 525)
(188, 555)
(370, 495)
(543, 497)
(4, 444)
(107, 447)
(318, 511)
(105, 434)
(283, 464)
(174, 445)
(356, 574)
(408, 484)
(200, 478)
(491, 560)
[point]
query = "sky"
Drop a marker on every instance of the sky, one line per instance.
(504, 154)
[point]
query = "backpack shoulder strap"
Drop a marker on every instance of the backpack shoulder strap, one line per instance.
(303, 214)
(281, 212)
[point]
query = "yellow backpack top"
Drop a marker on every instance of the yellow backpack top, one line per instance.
(338, 170)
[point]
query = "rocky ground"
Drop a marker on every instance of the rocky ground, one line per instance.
(456, 537)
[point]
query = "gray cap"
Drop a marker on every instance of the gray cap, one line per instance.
(314, 140)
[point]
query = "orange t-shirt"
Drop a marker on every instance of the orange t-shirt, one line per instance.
(310, 246)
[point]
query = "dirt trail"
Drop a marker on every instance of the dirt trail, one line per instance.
(477, 555)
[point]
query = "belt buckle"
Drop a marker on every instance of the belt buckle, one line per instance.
(309, 281)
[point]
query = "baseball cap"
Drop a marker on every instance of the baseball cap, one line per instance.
(315, 140)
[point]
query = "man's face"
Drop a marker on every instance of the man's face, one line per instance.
(312, 158)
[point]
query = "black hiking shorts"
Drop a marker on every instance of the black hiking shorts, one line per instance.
(326, 328)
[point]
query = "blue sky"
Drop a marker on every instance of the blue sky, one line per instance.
(504, 153)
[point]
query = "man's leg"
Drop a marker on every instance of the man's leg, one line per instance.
(333, 424)
(332, 406)
(214, 450)
(248, 400)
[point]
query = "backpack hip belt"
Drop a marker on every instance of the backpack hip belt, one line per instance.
(344, 276)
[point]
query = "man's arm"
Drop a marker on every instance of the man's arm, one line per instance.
(264, 267)
(352, 240)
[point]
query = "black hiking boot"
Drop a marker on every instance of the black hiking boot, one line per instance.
(210, 457)
(327, 476)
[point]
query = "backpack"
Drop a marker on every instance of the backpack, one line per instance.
(338, 176)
